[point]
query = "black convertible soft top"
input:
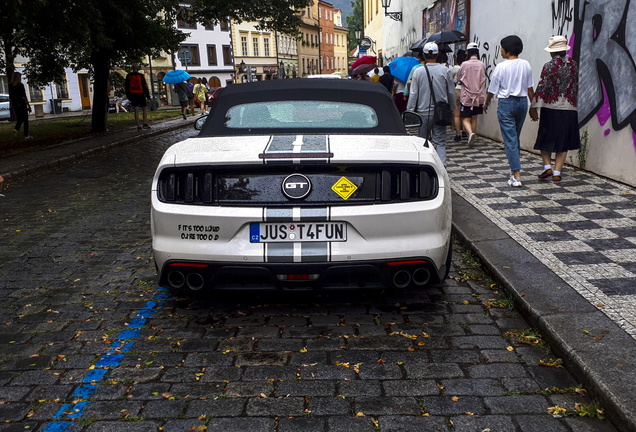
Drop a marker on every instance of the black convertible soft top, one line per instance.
(306, 89)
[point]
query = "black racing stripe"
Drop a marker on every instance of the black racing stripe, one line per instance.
(279, 252)
(317, 145)
(281, 144)
(314, 149)
(314, 252)
(314, 214)
(278, 215)
(277, 145)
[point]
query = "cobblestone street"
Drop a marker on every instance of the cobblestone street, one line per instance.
(90, 343)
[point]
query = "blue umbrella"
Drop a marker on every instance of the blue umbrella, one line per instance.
(401, 67)
(176, 76)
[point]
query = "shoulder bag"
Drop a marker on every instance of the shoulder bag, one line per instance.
(442, 113)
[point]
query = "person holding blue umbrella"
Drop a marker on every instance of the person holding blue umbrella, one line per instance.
(401, 69)
(177, 78)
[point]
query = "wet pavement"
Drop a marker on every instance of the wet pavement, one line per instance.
(413, 361)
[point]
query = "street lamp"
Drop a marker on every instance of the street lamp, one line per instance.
(241, 67)
(397, 16)
(358, 33)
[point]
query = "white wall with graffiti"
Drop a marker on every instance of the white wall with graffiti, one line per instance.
(602, 34)
(398, 36)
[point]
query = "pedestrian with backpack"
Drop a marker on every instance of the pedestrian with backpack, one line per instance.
(138, 94)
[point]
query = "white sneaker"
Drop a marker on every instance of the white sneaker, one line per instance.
(471, 140)
(514, 182)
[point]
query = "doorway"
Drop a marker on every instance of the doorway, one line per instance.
(85, 93)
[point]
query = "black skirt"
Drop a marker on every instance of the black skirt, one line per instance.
(558, 131)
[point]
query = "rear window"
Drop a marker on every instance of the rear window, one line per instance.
(301, 115)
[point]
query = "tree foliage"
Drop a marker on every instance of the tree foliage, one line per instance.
(99, 35)
(354, 22)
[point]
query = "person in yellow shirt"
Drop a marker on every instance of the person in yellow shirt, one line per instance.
(376, 75)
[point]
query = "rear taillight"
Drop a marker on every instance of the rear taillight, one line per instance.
(408, 183)
(185, 186)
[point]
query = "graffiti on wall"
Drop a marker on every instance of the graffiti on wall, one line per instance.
(444, 15)
(605, 48)
(562, 16)
(603, 44)
(403, 46)
(490, 56)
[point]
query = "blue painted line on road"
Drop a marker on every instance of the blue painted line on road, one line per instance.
(59, 426)
(108, 361)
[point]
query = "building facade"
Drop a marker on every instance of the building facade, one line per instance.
(340, 35)
(309, 41)
(287, 49)
(374, 22)
(74, 93)
(255, 52)
(326, 22)
(207, 51)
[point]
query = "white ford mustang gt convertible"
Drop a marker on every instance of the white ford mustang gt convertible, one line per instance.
(302, 184)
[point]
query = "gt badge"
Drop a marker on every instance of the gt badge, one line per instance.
(296, 186)
(344, 188)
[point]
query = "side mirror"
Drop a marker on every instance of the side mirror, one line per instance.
(198, 125)
(411, 119)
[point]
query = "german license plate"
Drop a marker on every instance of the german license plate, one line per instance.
(298, 232)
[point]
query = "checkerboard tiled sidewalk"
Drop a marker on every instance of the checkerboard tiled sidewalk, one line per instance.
(582, 228)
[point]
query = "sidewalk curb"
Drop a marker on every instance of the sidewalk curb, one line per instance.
(559, 312)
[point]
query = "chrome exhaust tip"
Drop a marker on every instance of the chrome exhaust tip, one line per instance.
(176, 279)
(421, 276)
(401, 279)
(195, 281)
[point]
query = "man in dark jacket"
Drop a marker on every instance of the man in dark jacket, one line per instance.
(387, 79)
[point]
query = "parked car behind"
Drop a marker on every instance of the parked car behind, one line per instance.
(213, 94)
(301, 184)
(5, 112)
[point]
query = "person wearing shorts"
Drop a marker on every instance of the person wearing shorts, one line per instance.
(138, 94)
(472, 77)
(457, 123)
(183, 93)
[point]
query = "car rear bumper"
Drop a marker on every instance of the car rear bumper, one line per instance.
(192, 276)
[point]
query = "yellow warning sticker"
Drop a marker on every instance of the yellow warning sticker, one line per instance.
(344, 187)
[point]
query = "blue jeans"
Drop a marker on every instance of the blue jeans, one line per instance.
(511, 113)
(438, 134)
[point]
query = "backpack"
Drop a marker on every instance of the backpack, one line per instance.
(186, 89)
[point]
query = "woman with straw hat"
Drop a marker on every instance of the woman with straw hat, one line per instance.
(556, 97)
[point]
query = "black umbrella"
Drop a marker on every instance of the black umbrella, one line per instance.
(443, 37)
